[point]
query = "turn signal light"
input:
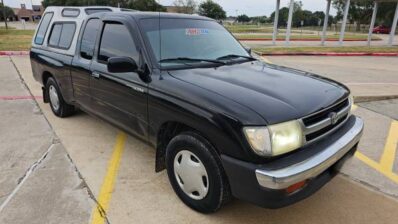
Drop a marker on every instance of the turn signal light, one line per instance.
(295, 187)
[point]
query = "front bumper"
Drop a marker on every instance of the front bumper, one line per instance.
(265, 184)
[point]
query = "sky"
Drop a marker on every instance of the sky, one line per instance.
(260, 7)
(17, 3)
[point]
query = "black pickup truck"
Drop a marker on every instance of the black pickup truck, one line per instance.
(223, 124)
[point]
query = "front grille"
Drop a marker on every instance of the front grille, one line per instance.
(324, 114)
(325, 121)
(323, 131)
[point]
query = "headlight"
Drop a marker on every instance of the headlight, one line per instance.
(275, 139)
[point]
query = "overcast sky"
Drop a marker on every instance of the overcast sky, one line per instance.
(17, 3)
(260, 7)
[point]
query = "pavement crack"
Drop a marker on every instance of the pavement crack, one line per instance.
(84, 184)
(369, 185)
(57, 140)
(26, 175)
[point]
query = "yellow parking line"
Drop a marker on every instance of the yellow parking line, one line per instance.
(385, 166)
(366, 160)
(354, 107)
(106, 191)
(377, 166)
(387, 159)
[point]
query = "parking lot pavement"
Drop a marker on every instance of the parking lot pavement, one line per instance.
(38, 182)
(375, 163)
(365, 76)
(131, 192)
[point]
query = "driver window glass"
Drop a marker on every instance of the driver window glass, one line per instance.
(88, 39)
(116, 41)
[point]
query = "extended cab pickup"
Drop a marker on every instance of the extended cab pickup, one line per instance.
(223, 123)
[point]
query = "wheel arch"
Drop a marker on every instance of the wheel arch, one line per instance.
(167, 131)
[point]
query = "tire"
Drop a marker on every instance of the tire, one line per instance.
(57, 103)
(195, 149)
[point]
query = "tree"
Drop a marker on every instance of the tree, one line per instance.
(284, 14)
(212, 10)
(385, 13)
(146, 5)
(259, 19)
(243, 18)
(8, 12)
(185, 6)
(359, 11)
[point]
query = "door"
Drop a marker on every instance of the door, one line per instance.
(119, 97)
(81, 63)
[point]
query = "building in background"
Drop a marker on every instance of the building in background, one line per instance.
(29, 10)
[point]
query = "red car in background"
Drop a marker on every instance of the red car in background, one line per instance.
(381, 29)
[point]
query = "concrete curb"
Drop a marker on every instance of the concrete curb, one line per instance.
(393, 54)
(13, 53)
(363, 99)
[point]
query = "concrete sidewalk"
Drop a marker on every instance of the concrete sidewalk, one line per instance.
(38, 181)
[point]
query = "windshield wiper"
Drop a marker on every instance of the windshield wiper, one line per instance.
(192, 59)
(235, 56)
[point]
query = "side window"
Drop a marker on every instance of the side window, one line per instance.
(41, 32)
(55, 35)
(62, 35)
(68, 31)
(116, 41)
(88, 39)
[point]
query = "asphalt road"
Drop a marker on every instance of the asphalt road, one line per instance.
(56, 170)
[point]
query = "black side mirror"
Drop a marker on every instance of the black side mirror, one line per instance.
(122, 65)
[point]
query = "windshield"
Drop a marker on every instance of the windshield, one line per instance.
(190, 42)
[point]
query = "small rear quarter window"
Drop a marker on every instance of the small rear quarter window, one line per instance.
(55, 35)
(42, 30)
(95, 10)
(62, 34)
(68, 31)
(70, 12)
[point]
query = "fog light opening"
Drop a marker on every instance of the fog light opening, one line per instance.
(296, 187)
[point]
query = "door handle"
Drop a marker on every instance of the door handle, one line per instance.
(95, 75)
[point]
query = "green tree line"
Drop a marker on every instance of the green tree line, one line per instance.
(361, 11)
(8, 12)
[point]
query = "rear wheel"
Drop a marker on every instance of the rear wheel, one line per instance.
(57, 103)
(196, 174)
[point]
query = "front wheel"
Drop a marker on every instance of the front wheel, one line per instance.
(58, 105)
(196, 174)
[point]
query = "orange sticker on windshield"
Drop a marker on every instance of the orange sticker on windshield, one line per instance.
(195, 31)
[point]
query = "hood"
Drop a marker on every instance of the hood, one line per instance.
(276, 93)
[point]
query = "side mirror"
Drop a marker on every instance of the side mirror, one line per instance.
(122, 65)
(248, 49)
